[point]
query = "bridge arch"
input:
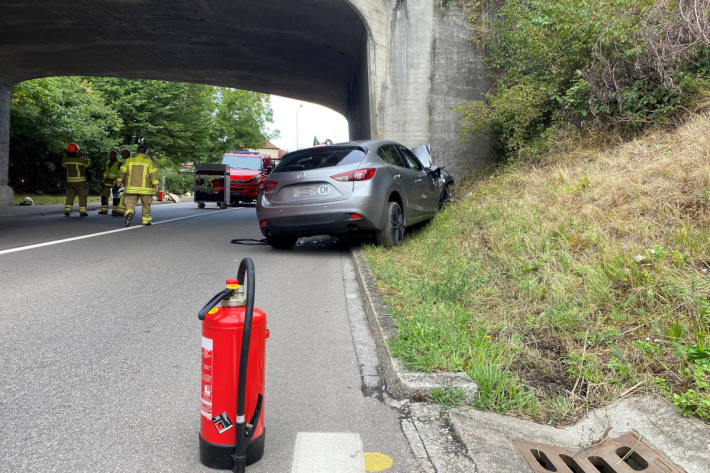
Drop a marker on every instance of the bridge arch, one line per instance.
(393, 68)
(306, 50)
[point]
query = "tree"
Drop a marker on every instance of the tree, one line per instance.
(187, 122)
(240, 119)
(46, 115)
(177, 121)
(174, 119)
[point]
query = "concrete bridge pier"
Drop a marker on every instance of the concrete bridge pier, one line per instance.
(6, 194)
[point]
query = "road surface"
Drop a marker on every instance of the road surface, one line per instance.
(101, 343)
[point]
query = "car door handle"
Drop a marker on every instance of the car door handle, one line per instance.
(418, 180)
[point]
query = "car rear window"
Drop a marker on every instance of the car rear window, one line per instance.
(316, 158)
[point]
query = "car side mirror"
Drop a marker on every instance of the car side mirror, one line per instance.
(434, 172)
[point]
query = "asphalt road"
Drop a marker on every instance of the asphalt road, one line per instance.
(99, 368)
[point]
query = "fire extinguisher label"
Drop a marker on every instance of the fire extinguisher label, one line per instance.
(206, 393)
(222, 423)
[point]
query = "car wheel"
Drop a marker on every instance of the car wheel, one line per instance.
(200, 205)
(392, 234)
(283, 242)
(445, 196)
(222, 205)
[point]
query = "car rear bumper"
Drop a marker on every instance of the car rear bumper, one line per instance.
(326, 218)
(330, 223)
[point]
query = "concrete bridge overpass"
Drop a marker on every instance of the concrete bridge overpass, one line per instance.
(392, 67)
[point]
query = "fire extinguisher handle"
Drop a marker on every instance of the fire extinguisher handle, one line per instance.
(240, 449)
(246, 266)
(251, 427)
(225, 294)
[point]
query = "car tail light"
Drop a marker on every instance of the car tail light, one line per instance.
(355, 216)
(262, 223)
(267, 185)
(356, 175)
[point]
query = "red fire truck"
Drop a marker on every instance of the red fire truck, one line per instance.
(244, 171)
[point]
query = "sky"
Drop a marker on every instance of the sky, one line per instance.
(313, 120)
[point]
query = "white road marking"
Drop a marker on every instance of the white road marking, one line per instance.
(325, 452)
(108, 232)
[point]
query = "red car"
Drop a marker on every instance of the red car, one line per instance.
(246, 171)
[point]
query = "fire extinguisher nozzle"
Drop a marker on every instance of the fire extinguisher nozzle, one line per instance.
(240, 462)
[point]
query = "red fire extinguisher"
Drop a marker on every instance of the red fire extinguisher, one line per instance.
(234, 334)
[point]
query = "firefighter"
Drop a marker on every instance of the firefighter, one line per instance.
(76, 165)
(139, 178)
(119, 206)
(110, 173)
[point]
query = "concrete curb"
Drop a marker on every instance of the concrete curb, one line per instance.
(445, 453)
(400, 382)
(487, 435)
(364, 344)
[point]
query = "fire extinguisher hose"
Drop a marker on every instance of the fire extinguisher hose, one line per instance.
(240, 449)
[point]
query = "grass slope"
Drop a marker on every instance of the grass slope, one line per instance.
(564, 286)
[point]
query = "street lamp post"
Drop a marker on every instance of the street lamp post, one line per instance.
(300, 106)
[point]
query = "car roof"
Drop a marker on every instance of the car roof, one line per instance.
(369, 144)
(366, 145)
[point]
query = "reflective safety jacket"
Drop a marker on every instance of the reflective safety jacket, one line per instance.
(138, 175)
(76, 167)
(111, 172)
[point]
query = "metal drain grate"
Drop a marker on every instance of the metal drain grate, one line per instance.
(628, 453)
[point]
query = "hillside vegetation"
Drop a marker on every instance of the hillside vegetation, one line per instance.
(607, 65)
(564, 285)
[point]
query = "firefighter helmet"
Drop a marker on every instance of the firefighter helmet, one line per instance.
(73, 148)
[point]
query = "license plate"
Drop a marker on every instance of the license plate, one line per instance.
(307, 191)
(304, 191)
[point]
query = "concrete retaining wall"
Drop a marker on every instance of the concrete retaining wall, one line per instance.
(432, 66)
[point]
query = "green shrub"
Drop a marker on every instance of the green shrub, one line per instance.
(516, 114)
(176, 182)
(618, 64)
(696, 400)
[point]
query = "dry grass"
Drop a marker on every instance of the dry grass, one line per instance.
(584, 277)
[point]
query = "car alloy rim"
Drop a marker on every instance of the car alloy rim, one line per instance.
(397, 225)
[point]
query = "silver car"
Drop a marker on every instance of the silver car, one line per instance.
(362, 187)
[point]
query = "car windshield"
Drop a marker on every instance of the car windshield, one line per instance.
(242, 162)
(316, 158)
